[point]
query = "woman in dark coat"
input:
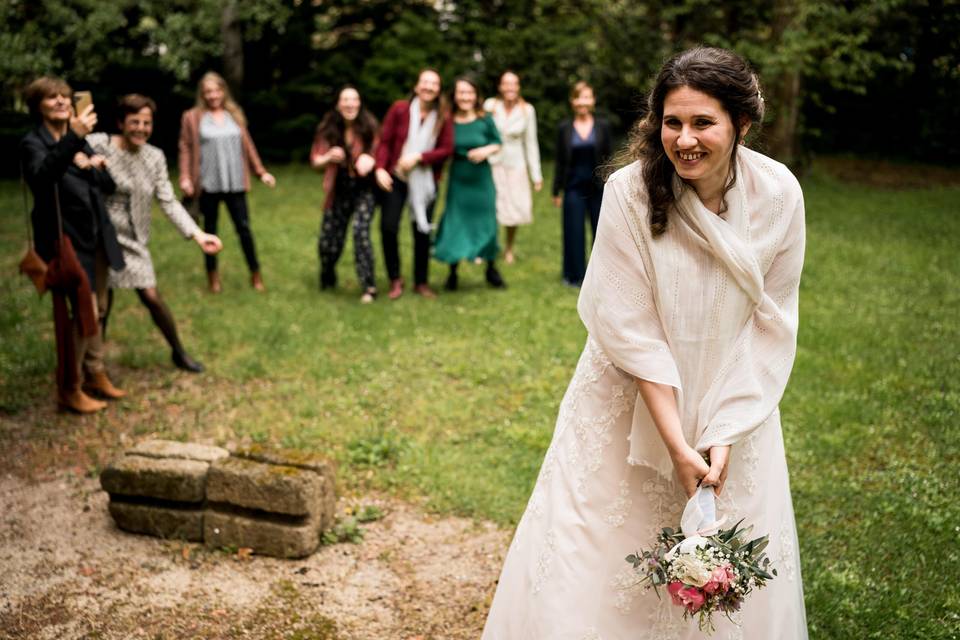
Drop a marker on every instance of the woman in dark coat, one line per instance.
(583, 145)
(59, 164)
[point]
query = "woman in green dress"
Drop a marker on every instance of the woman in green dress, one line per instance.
(468, 229)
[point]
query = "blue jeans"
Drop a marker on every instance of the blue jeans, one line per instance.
(578, 202)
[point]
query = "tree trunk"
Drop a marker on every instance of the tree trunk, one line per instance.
(232, 47)
(784, 144)
(784, 97)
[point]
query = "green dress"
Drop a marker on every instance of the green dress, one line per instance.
(468, 228)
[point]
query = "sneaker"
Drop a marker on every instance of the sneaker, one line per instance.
(368, 296)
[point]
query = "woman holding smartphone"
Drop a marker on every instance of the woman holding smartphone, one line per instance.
(68, 181)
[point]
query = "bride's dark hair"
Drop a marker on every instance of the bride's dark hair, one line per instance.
(719, 73)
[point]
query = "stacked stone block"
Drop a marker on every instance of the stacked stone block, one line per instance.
(159, 488)
(277, 503)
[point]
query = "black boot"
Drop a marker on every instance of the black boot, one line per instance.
(452, 279)
(164, 320)
(494, 279)
(182, 361)
(328, 279)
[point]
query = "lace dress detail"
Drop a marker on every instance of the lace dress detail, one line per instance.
(545, 560)
(788, 567)
(666, 505)
(751, 461)
(626, 589)
(617, 513)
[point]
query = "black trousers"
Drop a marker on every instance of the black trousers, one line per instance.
(578, 203)
(390, 212)
(237, 206)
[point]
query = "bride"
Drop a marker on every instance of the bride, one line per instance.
(690, 302)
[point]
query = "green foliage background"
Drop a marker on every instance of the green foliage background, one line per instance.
(877, 76)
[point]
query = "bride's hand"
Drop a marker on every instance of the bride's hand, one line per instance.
(691, 468)
(717, 476)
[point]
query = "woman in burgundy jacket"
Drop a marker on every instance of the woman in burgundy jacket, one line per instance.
(416, 139)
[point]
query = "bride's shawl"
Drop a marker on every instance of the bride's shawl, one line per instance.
(709, 307)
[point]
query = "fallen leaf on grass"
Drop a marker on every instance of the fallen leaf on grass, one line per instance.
(244, 553)
(87, 571)
(185, 552)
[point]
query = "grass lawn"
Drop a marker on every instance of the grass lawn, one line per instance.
(451, 403)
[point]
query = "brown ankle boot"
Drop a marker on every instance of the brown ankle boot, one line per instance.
(256, 281)
(100, 385)
(77, 401)
(213, 281)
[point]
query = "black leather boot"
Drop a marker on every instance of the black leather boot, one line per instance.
(182, 361)
(494, 279)
(452, 280)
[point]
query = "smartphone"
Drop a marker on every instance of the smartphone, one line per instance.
(81, 100)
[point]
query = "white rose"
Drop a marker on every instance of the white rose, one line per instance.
(691, 570)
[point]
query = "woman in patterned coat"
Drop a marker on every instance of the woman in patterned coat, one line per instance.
(140, 173)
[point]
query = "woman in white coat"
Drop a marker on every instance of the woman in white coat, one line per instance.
(690, 302)
(518, 162)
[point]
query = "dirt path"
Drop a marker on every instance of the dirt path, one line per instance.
(68, 572)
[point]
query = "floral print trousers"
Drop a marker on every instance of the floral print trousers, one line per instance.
(353, 197)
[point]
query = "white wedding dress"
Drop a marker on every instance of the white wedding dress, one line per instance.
(709, 307)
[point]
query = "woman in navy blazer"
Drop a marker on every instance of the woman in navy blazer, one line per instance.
(68, 181)
(584, 143)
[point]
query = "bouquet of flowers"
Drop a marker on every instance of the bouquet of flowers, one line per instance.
(705, 574)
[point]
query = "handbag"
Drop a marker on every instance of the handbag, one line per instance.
(31, 265)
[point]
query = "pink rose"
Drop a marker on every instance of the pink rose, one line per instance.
(673, 589)
(684, 596)
(731, 574)
(719, 580)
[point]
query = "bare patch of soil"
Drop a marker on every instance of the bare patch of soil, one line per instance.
(70, 573)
